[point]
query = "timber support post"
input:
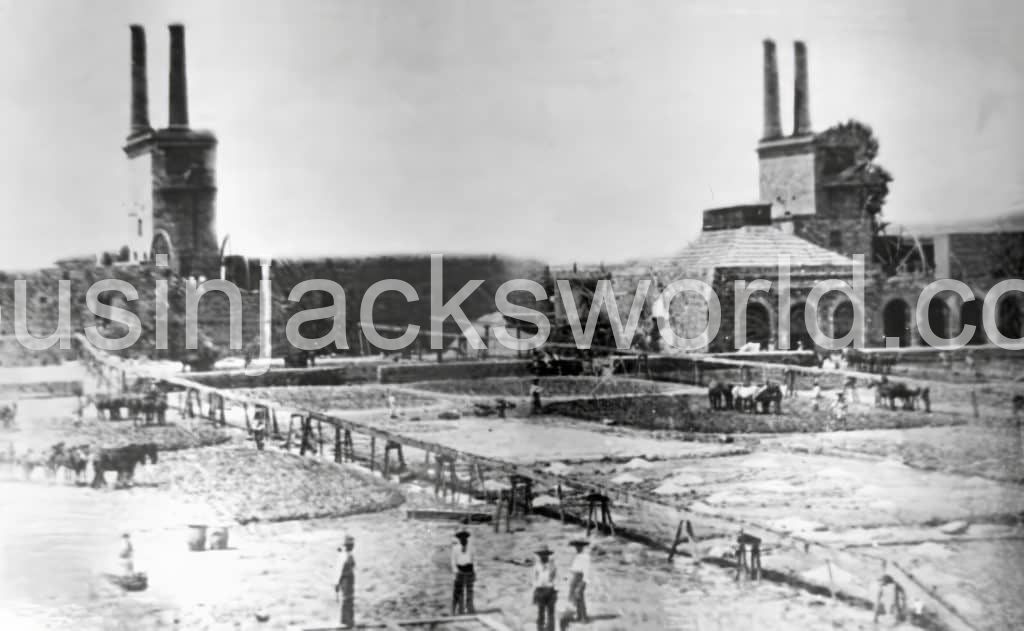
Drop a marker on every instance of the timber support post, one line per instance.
(599, 502)
(373, 451)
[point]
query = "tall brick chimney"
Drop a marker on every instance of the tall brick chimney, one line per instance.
(178, 89)
(801, 104)
(772, 120)
(140, 91)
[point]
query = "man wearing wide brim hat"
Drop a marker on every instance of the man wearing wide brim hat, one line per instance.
(346, 585)
(544, 593)
(465, 574)
(579, 576)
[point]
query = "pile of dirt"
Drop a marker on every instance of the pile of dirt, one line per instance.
(272, 486)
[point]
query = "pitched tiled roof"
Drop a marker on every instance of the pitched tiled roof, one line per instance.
(754, 246)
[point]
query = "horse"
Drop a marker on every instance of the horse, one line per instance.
(770, 398)
(8, 414)
(744, 397)
(73, 460)
(892, 391)
(720, 395)
(123, 460)
(154, 407)
(29, 461)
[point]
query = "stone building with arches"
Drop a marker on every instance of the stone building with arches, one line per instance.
(819, 206)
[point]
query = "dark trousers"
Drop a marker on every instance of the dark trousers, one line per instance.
(545, 599)
(577, 595)
(536, 404)
(348, 616)
(462, 594)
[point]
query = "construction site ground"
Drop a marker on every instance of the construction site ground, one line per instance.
(889, 491)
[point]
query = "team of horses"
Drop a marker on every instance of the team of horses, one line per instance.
(767, 397)
(70, 463)
(142, 407)
(754, 398)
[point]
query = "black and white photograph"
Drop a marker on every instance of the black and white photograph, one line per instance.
(512, 315)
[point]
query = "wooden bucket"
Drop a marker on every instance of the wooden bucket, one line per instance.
(196, 537)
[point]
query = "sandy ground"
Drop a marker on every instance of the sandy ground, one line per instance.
(57, 539)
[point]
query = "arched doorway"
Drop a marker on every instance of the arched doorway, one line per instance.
(162, 245)
(842, 320)
(938, 317)
(970, 314)
(896, 321)
(798, 335)
(1008, 316)
(759, 324)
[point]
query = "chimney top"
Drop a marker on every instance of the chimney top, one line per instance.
(178, 88)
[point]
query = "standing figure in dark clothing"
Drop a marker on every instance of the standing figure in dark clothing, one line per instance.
(535, 391)
(790, 376)
(346, 585)
(544, 593)
(465, 575)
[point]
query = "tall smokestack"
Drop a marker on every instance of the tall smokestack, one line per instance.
(801, 95)
(178, 89)
(772, 121)
(140, 91)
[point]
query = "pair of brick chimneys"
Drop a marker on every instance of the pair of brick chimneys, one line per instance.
(178, 89)
(801, 106)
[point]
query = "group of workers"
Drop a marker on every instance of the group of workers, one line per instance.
(463, 567)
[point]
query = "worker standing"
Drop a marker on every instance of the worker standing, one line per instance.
(535, 392)
(259, 427)
(851, 387)
(127, 555)
(346, 585)
(544, 593)
(816, 394)
(579, 577)
(465, 575)
(790, 376)
(392, 404)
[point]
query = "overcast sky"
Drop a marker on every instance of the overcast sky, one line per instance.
(559, 130)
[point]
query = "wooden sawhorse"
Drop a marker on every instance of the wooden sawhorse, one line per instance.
(595, 501)
(748, 544)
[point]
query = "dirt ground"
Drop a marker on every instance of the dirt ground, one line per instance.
(894, 487)
(56, 541)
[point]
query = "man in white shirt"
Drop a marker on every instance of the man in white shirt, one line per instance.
(465, 575)
(544, 593)
(392, 404)
(579, 577)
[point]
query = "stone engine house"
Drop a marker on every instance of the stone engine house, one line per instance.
(820, 205)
